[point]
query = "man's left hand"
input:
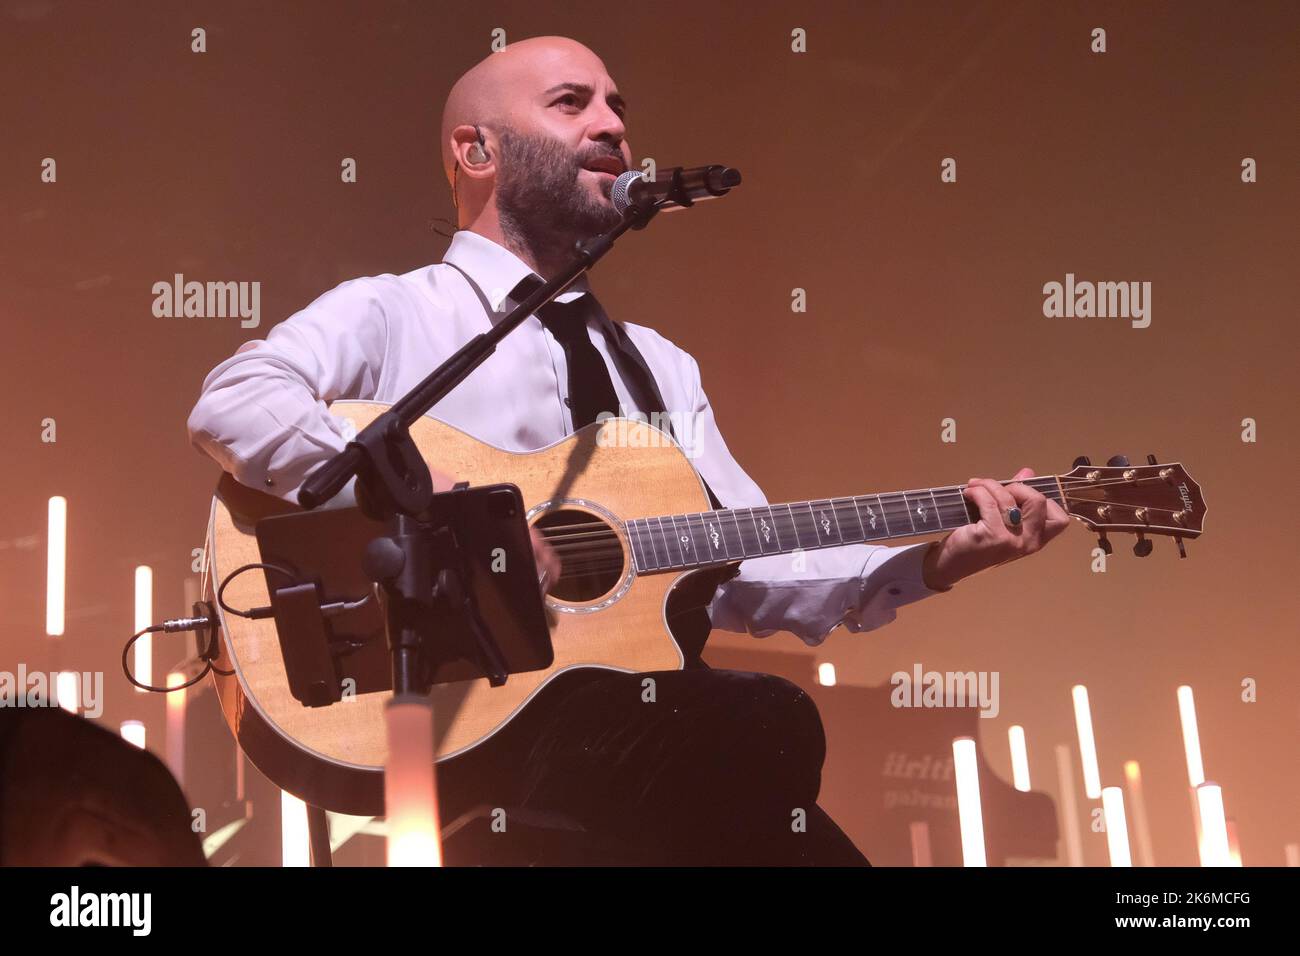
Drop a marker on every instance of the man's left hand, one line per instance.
(996, 538)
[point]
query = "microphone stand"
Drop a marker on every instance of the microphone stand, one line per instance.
(394, 486)
(382, 433)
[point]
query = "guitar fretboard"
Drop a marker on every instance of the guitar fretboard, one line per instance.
(678, 542)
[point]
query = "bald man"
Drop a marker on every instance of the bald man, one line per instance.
(717, 767)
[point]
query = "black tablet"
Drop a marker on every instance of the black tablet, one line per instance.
(316, 558)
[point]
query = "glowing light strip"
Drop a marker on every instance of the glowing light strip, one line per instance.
(410, 795)
(1112, 804)
(56, 565)
(1234, 844)
(1087, 743)
(132, 732)
(143, 669)
(176, 727)
(1196, 820)
(1133, 776)
(1191, 737)
(1069, 805)
(295, 844)
(1214, 828)
(1019, 757)
(67, 687)
(1195, 765)
(969, 812)
(919, 831)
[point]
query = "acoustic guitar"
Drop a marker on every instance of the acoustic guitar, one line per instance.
(641, 553)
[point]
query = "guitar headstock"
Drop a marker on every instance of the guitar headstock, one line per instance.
(1138, 499)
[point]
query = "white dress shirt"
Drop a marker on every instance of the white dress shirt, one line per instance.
(263, 417)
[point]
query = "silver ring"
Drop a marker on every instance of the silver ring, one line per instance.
(1013, 517)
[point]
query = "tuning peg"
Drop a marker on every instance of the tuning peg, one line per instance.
(1117, 461)
(1151, 460)
(1143, 546)
(1182, 552)
(1082, 460)
(1104, 544)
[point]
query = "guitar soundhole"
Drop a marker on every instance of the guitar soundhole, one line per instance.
(590, 554)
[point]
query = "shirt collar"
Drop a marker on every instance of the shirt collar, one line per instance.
(496, 269)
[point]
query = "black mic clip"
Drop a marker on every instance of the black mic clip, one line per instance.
(677, 193)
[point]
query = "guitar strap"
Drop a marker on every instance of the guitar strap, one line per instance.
(631, 364)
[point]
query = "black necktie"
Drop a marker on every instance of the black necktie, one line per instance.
(591, 390)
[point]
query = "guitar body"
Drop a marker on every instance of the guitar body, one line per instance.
(333, 756)
(585, 492)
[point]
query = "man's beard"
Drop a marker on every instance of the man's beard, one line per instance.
(541, 202)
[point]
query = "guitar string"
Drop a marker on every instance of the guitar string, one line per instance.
(951, 494)
(591, 560)
(567, 542)
(586, 558)
(583, 558)
(837, 508)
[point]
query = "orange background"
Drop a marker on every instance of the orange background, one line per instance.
(924, 301)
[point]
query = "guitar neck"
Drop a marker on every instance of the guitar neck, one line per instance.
(683, 541)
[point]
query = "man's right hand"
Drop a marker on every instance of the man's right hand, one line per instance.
(548, 562)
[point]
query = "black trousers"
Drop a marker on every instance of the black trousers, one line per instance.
(695, 767)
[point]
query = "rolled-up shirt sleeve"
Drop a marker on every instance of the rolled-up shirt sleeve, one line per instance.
(859, 587)
(263, 413)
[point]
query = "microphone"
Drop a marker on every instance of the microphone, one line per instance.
(676, 188)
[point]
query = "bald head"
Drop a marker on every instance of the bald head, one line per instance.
(506, 89)
(553, 143)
